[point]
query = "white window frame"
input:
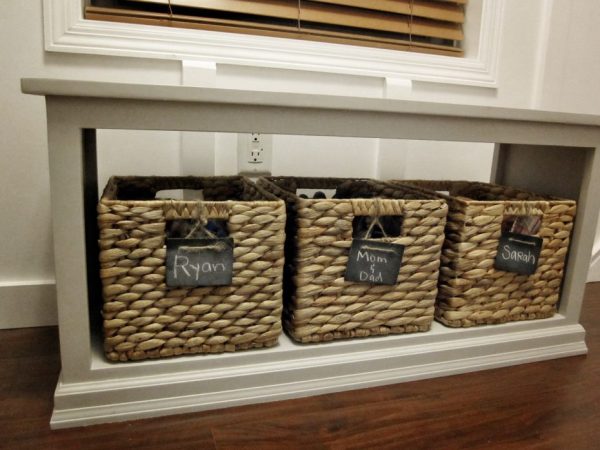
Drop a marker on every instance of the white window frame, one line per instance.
(66, 30)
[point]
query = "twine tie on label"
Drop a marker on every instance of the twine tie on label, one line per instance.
(375, 220)
(201, 222)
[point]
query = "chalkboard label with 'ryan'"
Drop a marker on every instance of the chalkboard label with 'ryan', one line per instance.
(199, 262)
(374, 262)
(518, 253)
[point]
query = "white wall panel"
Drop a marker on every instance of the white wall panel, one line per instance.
(435, 160)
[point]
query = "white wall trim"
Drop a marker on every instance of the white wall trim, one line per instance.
(65, 30)
(541, 54)
(26, 304)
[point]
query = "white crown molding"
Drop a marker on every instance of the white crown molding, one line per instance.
(65, 30)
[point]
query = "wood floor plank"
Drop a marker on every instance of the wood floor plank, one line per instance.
(552, 404)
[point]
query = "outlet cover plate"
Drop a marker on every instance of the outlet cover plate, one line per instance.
(254, 154)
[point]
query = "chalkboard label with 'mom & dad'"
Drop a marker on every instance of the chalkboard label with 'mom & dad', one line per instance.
(199, 262)
(518, 253)
(374, 262)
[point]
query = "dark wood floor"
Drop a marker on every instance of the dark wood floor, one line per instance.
(547, 405)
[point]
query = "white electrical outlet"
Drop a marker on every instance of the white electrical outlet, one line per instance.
(255, 152)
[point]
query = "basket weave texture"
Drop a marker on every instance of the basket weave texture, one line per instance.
(319, 305)
(472, 292)
(143, 318)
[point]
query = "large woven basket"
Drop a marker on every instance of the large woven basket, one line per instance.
(143, 318)
(319, 305)
(472, 291)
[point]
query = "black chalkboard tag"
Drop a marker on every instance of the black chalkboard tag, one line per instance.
(518, 253)
(374, 262)
(199, 262)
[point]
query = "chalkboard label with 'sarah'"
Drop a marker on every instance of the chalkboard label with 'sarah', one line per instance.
(518, 253)
(374, 262)
(199, 262)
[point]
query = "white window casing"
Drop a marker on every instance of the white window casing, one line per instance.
(66, 30)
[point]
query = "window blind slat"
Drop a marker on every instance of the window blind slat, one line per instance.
(460, 2)
(280, 9)
(438, 10)
(227, 25)
(328, 14)
(352, 17)
(420, 25)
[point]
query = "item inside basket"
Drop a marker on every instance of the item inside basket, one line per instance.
(316, 193)
(180, 194)
(527, 225)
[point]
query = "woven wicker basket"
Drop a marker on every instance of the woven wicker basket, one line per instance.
(319, 305)
(472, 291)
(143, 318)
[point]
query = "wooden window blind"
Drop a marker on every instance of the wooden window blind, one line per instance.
(428, 26)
